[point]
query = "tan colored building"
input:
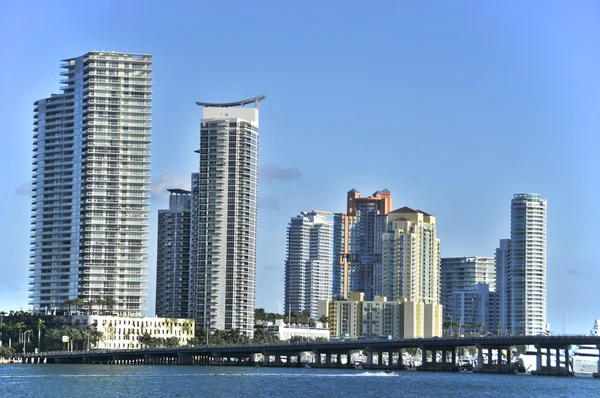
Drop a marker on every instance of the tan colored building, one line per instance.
(411, 270)
(357, 244)
(380, 317)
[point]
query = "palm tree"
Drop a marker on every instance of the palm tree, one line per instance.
(19, 326)
(68, 303)
(40, 325)
(78, 302)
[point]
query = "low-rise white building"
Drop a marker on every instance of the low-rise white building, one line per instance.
(285, 331)
(125, 332)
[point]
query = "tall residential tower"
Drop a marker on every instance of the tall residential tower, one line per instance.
(225, 217)
(173, 256)
(357, 244)
(91, 187)
(308, 262)
(528, 264)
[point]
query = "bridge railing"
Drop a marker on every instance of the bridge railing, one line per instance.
(331, 343)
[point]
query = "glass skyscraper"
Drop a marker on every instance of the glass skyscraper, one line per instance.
(173, 256)
(91, 171)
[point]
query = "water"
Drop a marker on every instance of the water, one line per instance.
(79, 381)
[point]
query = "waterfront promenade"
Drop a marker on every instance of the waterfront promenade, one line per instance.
(337, 354)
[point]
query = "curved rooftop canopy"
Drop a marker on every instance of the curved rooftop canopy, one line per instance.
(254, 100)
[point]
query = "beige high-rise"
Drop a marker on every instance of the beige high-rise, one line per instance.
(411, 266)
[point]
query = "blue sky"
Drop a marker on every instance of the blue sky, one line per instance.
(452, 106)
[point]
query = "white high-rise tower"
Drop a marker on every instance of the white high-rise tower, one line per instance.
(528, 264)
(91, 170)
(308, 266)
(224, 215)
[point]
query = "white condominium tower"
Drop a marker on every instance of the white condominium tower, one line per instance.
(463, 274)
(224, 214)
(308, 266)
(91, 170)
(528, 264)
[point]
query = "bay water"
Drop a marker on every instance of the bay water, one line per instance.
(79, 381)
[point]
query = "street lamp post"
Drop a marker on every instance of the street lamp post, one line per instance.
(25, 340)
(88, 339)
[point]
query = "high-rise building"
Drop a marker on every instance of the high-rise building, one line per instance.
(357, 244)
(225, 217)
(173, 256)
(91, 170)
(461, 274)
(411, 267)
(528, 264)
(308, 263)
(411, 257)
(503, 290)
(473, 310)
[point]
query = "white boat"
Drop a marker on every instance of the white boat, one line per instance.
(585, 357)
(528, 359)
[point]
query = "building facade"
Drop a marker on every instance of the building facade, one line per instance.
(411, 270)
(357, 244)
(355, 317)
(284, 331)
(225, 217)
(503, 289)
(411, 257)
(173, 256)
(91, 187)
(528, 264)
(308, 266)
(459, 274)
(126, 332)
(473, 310)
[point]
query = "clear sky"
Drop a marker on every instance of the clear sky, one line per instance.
(452, 106)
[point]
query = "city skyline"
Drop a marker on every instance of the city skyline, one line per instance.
(502, 96)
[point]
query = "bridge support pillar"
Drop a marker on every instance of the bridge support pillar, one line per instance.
(538, 358)
(317, 357)
(400, 359)
(370, 358)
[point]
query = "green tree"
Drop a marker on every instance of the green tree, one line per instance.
(262, 336)
(40, 325)
(110, 305)
(6, 352)
(260, 314)
(20, 326)
(324, 319)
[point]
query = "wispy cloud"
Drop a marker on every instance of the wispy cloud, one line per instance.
(24, 189)
(268, 203)
(272, 172)
(159, 186)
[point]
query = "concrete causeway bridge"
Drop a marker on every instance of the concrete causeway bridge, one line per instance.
(331, 354)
